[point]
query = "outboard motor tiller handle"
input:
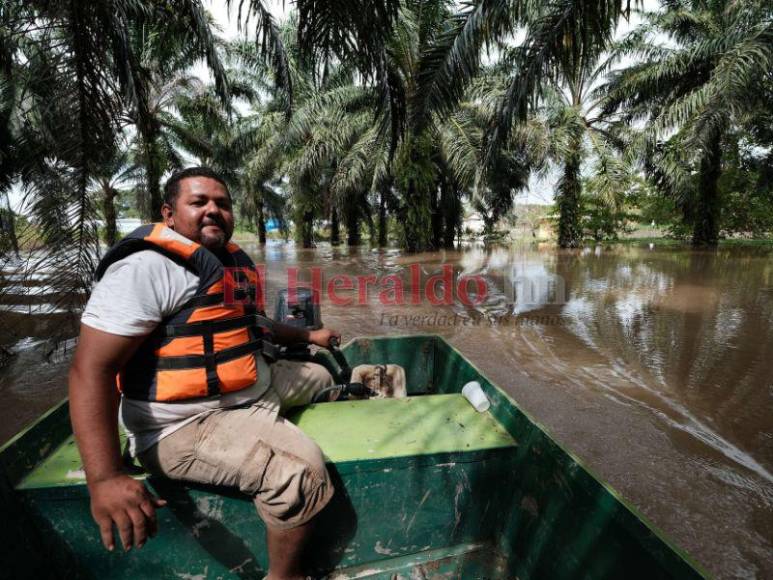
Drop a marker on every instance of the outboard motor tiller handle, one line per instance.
(333, 346)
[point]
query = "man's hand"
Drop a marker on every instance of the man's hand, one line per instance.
(127, 503)
(322, 337)
(115, 497)
(286, 334)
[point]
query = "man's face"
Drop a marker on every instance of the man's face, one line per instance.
(202, 212)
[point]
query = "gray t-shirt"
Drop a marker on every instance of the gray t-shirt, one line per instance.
(133, 296)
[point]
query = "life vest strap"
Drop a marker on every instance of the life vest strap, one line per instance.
(214, 326)
(204, 327)
(212, 299)
(210, 364)
(196, 361)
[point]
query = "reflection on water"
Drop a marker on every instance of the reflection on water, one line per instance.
(686, 337)
(652, 364)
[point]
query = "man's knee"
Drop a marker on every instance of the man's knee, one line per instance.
(290, 485)
(319, 375)
(296, 383)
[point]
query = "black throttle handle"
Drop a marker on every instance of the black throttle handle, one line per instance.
(346, 372)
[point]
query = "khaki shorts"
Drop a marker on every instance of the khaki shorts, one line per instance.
(255, 449)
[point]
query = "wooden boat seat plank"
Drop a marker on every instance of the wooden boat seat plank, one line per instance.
(60, 469)
(388, 428)
(347, 431)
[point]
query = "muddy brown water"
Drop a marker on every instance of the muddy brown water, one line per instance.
(652, 364)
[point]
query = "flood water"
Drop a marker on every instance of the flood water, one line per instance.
(652, 364)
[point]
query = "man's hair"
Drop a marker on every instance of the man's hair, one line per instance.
(172, 187)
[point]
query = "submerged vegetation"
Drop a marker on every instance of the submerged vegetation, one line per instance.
(390, 121)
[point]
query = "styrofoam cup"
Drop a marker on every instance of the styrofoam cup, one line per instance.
(473, 392)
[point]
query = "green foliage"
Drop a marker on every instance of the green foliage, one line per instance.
(713, 79)
(415, 176)
(70, 75)
(746, 187)
(656, 208)
(602, 222)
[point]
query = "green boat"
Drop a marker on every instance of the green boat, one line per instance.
(427, 488)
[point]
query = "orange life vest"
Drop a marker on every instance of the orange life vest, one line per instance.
(207, 347)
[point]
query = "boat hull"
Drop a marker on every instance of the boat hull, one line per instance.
(426, 487)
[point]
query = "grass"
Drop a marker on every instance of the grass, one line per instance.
(662, 241)
(735, 242)
(746, 242)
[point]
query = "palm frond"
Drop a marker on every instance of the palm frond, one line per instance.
(452, 60)
(562, 31)
(461, 139)
(270, 43)
(611, 176)
(328, 30)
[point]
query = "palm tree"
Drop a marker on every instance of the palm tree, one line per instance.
(259, 137)
(432, 59)
(241, 143)
(388, 148)
(166, 50)
(319, 145)
(713, 77)
(491, 184)
(577, 129)
(403, 64)
(8, 238)
(431, 56)
(108, 179)
(551, 76)
(153, 145)
(329, 116)
(341, 140)
(75, 69)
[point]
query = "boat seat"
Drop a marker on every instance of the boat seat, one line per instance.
(379, 429)
(348, 431)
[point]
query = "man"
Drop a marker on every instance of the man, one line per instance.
(198, 402)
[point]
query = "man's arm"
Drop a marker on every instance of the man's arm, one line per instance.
(286, 334)
(116, 498)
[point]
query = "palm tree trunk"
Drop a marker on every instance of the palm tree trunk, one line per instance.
(417, 182)
(409, 233)
(569, 189)
(261, 224)
(489, 222)
(382, 216)
(154, 185)
(417, 225)
(153, 172)
(370, 223)
(437, 219)
(449, 204)
(353, 236)
(307, 229)
(335, 228)
(8, 225)
(706, 226)
(108, 211)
